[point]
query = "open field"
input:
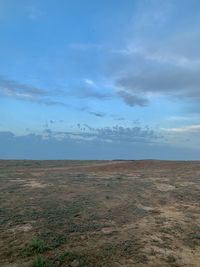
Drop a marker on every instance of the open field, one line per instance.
(99, 213)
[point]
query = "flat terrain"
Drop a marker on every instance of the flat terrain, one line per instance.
(99, 213)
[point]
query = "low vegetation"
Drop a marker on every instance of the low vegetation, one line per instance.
(100, 214)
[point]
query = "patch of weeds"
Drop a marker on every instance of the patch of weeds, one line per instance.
(58, 241)
(78, 178)
(71, 256)
(39, 261)
(36, 245)
(107, 252)
(196, 228)
(27, 164)
(167, 230)
(133, 248)
(56, 214)
(195, 236)
(82, 228)
(127, 248)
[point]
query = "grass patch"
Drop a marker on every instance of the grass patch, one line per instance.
(35, 246)
(38, 245)
(39, 261)
(128, 248)
(70, 257)
(167, 230)
(195, 236)
(82, 228)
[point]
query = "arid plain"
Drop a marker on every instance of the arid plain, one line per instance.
(100, 213)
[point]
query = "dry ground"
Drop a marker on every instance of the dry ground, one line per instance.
(99, 213)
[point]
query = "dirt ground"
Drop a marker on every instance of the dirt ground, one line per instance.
(99, 213)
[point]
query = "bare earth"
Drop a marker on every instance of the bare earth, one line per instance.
(99, 213)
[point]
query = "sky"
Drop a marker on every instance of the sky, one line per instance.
(100, 79)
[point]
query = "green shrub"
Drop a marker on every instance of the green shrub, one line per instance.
(38, 245)
(70, 256)
(40, 262)
(195, 236)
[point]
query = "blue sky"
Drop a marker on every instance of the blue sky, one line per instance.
(100, 79)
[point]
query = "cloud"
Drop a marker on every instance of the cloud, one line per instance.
(12, 88)
(127, 134)
(97, 114)
(183, 136)
(163, 80)
(115, 134)
(132, 100)
(178, 118)
(91, 90)
(176, 83)
(48, 145)
(26, 92)
(158, 61)
(185, 129)
(90, 82)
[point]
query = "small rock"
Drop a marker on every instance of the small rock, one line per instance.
(108, 230)
(146, 208)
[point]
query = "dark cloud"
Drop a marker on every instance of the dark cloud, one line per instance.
(173, 80)
(56, 121)
(159, 78)
(94, 113)
(97, 114)
(16, 89)
(156, 61)
(132, 100)
(88, 127)
(26, 92)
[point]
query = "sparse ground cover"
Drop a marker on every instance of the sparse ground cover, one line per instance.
(99, 213)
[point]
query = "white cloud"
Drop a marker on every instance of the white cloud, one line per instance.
(89, 82)
(178, 118)
(25, 96)
(185, 129)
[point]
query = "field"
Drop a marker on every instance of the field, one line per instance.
(99, 213)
